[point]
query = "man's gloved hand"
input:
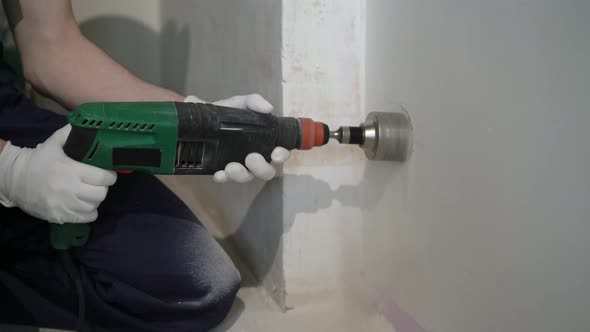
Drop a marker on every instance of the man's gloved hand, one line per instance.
(256, 165)
(47, 184)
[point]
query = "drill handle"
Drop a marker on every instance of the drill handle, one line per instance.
(79, 142)
(66, 236)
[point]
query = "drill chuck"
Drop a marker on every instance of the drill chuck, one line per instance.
(312, 133)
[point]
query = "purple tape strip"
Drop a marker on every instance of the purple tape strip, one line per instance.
(397, 317)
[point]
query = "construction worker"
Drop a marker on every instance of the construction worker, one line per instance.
(149, 265)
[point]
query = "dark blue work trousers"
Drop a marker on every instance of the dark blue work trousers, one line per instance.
(149, 265)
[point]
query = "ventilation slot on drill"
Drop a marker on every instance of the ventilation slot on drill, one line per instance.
(91, 123)
(133, 126)
(91, 155)
(189, 155)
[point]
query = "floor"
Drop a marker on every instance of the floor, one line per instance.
(254, 316)
(254, 311)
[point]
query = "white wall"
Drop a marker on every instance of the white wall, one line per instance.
(487, 226)
(322, 78)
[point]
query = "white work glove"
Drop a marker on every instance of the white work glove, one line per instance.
(47, 184)
(256, 165)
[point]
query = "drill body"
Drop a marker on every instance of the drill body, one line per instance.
(175, 138)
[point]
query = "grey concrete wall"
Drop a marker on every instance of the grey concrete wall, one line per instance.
(231, 47)
(129, 31)
(487, 226)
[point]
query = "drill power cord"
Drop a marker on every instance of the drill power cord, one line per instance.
(74, 273)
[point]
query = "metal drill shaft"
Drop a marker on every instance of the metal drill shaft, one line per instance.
(337, 135)
(349, 135)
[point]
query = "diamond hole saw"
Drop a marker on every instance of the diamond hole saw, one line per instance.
(188, 138)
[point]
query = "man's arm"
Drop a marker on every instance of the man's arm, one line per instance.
(61, 63)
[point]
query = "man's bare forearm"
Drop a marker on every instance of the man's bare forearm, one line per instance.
(61, 63)
(2, 143)
(76, 71)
